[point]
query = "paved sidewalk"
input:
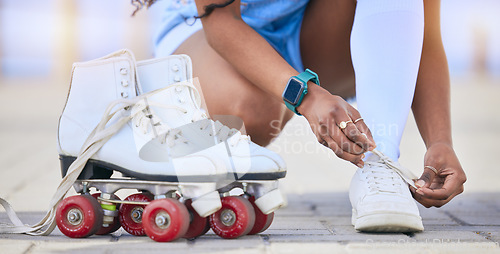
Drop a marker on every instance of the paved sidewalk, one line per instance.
(317, 218)
(315, 222)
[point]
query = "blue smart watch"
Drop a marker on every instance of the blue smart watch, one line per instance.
(296, 89)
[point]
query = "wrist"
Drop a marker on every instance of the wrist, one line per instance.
(309, 98)
(297, 88)
(440, 144)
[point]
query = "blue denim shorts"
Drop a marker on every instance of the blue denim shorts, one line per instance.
(278, 21)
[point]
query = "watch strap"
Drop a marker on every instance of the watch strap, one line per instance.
(304, 77)
(309, 75)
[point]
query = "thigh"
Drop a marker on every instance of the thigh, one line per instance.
(325, 44)
(227, 92)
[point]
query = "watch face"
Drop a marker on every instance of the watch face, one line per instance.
(293, 91)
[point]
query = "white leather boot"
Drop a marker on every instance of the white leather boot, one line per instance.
(141, 148)
(246, 160)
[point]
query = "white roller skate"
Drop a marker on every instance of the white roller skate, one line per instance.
(160, 159)
(105, 126)
(253, 168)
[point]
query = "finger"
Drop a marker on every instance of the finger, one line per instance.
(369, 142)
(438, 194)
(365, 131)
(340, 130)
(427, 177)
(429, 202)
(451, 186)
(353, 158)
(345, 143)
(330, 129)
(354, 135)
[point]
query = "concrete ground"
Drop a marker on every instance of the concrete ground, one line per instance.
(317, 218)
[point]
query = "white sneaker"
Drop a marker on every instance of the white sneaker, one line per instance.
(380, 198)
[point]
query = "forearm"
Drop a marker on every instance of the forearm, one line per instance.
(248, 52)
(431, 103)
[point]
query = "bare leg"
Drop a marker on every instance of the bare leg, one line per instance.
(325, 44)
(229, 93)
(325, 48)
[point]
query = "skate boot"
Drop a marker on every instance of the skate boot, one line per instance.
(141, 150)
(253, 169)
(380, 198)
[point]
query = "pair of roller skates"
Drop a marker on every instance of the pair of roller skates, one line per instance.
(156, 134)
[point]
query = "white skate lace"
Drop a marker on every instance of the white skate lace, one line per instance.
(221, 131)
(148, 123)
(97, 138)
(382, 179)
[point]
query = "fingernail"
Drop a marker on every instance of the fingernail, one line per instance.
(420, 183)
(419, 191)
(362, 156)
(360, 164)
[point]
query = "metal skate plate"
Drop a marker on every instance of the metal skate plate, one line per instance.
(188, 189)
(255, 188)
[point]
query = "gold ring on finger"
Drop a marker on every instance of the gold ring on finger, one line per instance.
(359, 119)
(433, 169)
(343, 124)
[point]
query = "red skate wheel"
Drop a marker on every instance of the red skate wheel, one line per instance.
(198, 225)
(116, 221)
(165, 220)
(262, 221)
(131, 215)
(79, 216)
(234, 219)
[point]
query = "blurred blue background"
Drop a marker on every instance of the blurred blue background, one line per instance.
(43, 38)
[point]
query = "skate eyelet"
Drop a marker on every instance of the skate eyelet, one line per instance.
(177, 78)
(124, 83)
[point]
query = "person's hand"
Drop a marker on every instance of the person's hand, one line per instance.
(325, 113)
(438, 189)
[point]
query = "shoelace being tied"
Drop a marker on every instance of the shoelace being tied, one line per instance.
(382, 179)
(97, 138)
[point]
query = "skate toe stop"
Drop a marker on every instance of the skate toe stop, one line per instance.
(270, 202)
(207, 204)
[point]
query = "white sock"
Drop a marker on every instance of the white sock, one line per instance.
(386, 44)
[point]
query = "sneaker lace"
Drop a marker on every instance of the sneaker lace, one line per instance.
(385, 174)
(218, 129)
(381, 179)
